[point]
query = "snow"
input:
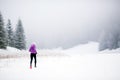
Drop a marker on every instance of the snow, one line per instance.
(93, 65)
(90, 48)
(13, 52)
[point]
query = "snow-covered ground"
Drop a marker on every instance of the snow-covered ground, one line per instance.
(70, 64)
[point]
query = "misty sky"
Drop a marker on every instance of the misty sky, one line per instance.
(60, 23)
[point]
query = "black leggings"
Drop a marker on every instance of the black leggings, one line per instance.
(31, 57)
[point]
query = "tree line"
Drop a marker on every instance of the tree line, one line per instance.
(11, 38)
(109, 38)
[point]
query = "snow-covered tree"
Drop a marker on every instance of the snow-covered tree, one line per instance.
(119, 40)
(20, 42)
(2, 34)
(110, 39)
(103, 41)
(10, 34)
(114, 36)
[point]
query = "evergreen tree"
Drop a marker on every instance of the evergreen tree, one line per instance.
(113, 37)
(119, 40)
(103, 41)
(10, 34)
(110, 39)
(20, 42)
(2, 34)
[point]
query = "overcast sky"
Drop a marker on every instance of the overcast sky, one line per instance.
(59, 23)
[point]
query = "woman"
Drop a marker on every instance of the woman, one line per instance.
(33, 52)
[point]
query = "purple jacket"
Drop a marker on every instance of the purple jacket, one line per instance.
(33, 49)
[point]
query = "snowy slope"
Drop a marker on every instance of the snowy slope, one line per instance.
(93, 65)
(89, 48)
(83, 49)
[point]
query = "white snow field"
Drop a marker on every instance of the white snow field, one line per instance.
(71, 64)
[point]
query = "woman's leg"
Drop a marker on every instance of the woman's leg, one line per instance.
(35, 59)
(31, 58)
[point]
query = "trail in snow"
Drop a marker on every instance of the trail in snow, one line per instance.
(85, 67)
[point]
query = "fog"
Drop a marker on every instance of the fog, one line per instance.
(60, 23)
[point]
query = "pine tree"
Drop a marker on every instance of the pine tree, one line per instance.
(119, 40)
(103, 41)
(113, 37)
(20, 42)
(110, 39)
(2, 34)
(10, 34)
